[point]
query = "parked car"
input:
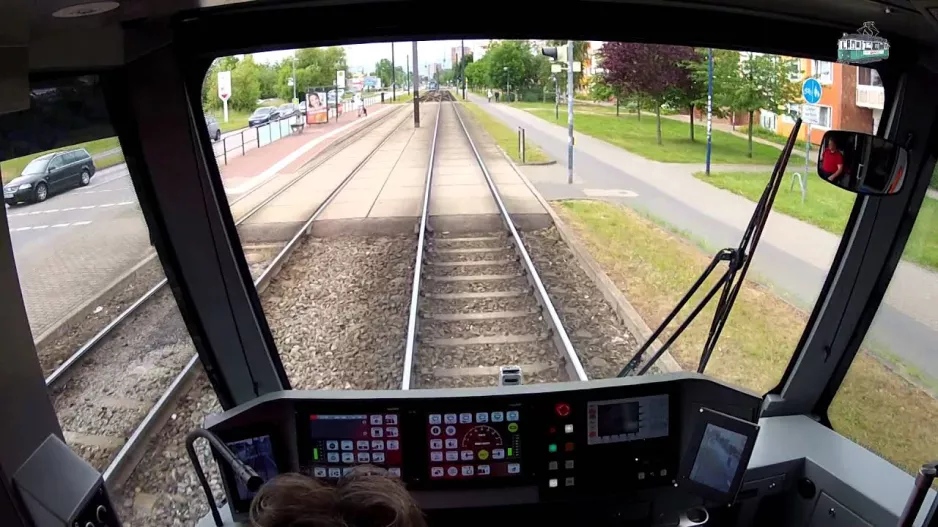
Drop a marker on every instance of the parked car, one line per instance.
(214, 130)
(50, 173)
(288, 110)
(263, 115)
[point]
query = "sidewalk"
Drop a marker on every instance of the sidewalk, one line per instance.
(795, 256)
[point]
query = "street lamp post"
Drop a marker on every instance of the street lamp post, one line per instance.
(507, 85)
(393, 79)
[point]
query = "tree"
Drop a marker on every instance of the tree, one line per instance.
(475, 74)
(210, 98)
(692, 93)
(647, 70)
(383, 71)
(245, 85)
(764, 84)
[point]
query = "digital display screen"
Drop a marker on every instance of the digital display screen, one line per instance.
(340, 442)
(474, 445)
(718, 458)
(257, 453)
(622, 420)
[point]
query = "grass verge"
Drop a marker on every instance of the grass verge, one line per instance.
(401, 98)
(12, 168)
(109, 160)
(236, 119)
(828, 207)
(639, 136)
(654, 267)
(506, 138)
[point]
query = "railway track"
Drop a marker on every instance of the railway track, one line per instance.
(480, 314)
(437, 96)
(126, 392)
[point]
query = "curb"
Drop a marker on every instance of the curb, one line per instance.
(614, 297)
(82, 309)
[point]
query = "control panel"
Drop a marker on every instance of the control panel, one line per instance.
(550, 443)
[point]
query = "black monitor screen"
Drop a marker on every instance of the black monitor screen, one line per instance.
(618, 419)
(257, 453)
(718, 458)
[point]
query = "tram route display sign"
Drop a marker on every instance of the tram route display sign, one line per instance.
(863, 47)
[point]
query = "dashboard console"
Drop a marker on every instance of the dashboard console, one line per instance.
(671, 438)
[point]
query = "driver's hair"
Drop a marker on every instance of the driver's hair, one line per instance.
(365, 497)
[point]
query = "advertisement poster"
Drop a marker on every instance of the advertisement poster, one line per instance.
(316, 111)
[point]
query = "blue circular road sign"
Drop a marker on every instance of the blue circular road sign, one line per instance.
(811, 90)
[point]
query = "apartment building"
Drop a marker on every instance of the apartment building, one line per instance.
(852, 99)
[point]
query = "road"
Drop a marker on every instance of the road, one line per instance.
(83, 208)
(793, 260)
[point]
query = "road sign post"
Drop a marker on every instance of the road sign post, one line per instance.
(224, 90)
(810, 114)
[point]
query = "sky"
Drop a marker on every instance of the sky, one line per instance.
(365, 56)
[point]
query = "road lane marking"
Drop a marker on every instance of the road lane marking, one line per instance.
(56, 226)
(66, 209)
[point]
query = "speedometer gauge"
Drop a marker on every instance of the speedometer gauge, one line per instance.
(482, 436)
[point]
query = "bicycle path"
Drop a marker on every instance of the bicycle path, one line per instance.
(793, 257)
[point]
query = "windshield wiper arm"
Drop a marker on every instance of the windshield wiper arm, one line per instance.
(738, 260)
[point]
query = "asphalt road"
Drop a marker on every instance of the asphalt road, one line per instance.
(80, 208)
(897, 329)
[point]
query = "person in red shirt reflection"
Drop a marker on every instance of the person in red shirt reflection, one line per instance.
(832, 162)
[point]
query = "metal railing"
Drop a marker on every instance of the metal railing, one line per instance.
(246, 139)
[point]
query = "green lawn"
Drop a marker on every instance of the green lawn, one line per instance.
(653, 267)
(504, 136)
(639, 137)
(768, 135)
(401, 98)
(11, 168)
(828, 207)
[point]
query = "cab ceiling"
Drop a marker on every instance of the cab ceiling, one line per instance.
(215, 27)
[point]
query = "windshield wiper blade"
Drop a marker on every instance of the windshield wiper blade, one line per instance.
(738, 260)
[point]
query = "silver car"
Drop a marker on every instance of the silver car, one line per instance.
(214, 130)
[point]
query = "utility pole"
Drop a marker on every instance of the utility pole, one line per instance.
(393, 78)
(570, 112)
(462, 67)
(407, 80)
(507, 84)
(709, 106)
(294, 75)
(416, 89)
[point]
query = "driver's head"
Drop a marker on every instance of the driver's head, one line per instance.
(831, 144)
(365, 497)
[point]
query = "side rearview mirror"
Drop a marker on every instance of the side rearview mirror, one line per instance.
(862, 163)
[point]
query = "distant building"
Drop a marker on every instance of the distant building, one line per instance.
(456, 53)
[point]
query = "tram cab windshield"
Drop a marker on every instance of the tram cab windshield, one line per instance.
(661, 278)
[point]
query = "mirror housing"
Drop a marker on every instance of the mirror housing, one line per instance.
(862, 163)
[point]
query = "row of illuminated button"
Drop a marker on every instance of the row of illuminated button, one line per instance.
(480, 417)
(350, 457)
(466, 455)
(567, 465)
(554, 482)
(389, 419)
(375, 444)
(336, 472)
(450, 430)
(470, 470)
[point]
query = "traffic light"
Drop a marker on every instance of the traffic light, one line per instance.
(558, 54)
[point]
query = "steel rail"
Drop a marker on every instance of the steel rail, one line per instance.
(60, 372)
(561, 339)
(132, 451)
(411, 341)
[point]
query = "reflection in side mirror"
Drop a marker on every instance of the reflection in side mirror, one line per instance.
(862, 163)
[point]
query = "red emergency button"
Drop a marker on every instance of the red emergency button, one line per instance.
(562, 409)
